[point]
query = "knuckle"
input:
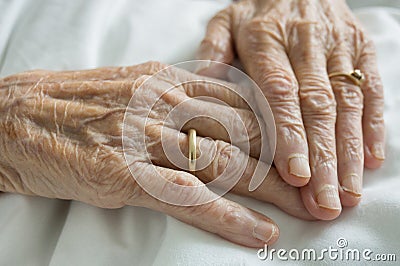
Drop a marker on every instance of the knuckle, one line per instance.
(375, 120)
(289, 123)
(317, 99)
(184, 179)
(152, 67)
(290, 132)
(222, 157)
(183, 188)
(373, 85)
(279, 86)
(351, 148)
(232, 215)
(323, 152)
(225, 152)
(324, 159)
(286, 113)
(349, 98)
(229, 162)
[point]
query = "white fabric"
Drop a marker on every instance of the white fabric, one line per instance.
(85, 34)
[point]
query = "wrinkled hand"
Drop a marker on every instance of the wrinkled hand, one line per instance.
(61, 137)
(327, 128)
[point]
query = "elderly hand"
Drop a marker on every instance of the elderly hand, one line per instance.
(327, 128)
(61, 137)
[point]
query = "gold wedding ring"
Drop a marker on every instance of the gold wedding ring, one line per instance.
(356, 76)
(192, 150)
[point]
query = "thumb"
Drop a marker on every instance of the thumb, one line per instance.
(223, 217)
(217, 44)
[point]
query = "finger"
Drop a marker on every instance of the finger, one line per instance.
(228, 219)
(318, 107)
(373, 122)
(181, 113)
(217, 155)
(229, 93)
(349, 139)
(197, 85)
(272, 71)
(240, 127)
(217, 44)
(105, 73)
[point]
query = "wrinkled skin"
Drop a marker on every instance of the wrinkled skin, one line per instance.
(61, 137)
(328, 129)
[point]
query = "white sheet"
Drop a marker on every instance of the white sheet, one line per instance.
(84, 34)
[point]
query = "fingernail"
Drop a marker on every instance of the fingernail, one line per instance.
(264, 231)
(352, 185)
(328, 198)
(299, 166)
(378, 151)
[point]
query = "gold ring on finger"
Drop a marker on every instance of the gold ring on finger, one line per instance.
(192, 150)
(356, 76)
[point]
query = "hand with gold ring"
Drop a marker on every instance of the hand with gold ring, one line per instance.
(61, 136)
(304, 55)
